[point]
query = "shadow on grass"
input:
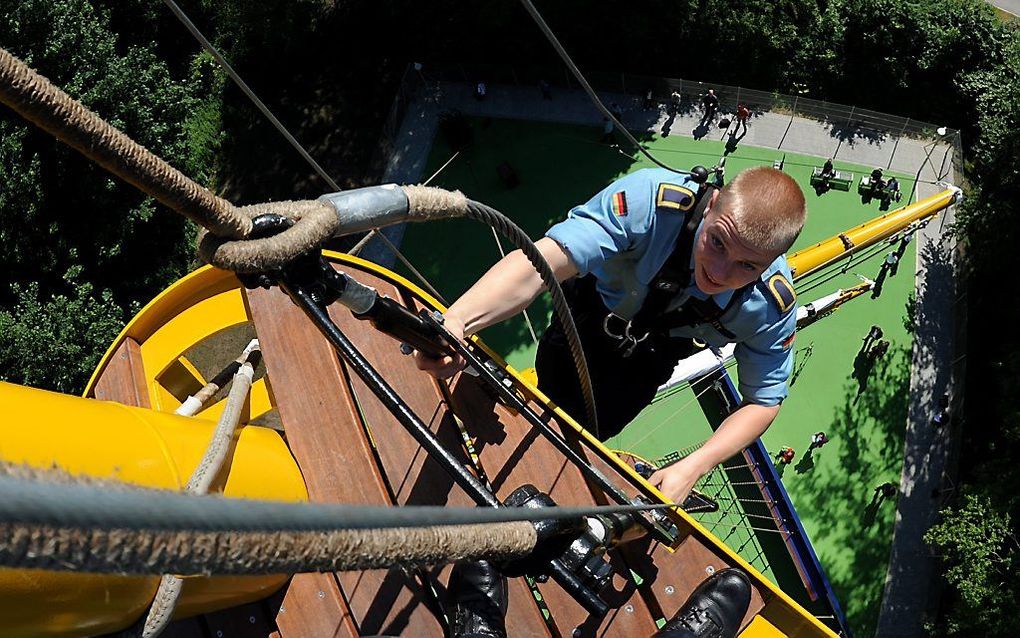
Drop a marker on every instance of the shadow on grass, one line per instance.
(868, 435)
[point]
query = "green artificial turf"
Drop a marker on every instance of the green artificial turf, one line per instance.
(560, 166)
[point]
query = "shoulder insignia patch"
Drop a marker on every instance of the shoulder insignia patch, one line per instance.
(782, 292)
(674, 197)
(620, 204)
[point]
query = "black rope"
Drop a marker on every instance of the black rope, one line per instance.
(241, 84)
(35, 502)
(537, 17)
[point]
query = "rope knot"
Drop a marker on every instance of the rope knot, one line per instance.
(313, 223)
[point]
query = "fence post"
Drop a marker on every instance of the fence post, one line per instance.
(850, 120)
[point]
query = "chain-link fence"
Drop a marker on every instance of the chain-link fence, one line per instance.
(802, 125)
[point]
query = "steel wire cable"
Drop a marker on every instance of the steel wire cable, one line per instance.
(537, 17)
(261, 106)
(39, 502)
(513, 232)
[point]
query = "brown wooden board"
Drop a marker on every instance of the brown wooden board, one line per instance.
(513, 453)
(414, 477)
(328, 441)
(309, 608)
(123, 378)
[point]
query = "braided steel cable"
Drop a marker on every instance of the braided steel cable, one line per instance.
(513, 232)
(114, 528)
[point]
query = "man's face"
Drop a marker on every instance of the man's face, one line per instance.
(722, 261)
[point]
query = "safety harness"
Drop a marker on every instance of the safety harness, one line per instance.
(674, 276)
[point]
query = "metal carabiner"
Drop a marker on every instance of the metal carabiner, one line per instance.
(609, 333)
(627, 340)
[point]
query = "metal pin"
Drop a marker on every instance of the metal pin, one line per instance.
(629, 609)
(322, 594)
(251, 619)
(669, 590)
(710, 570)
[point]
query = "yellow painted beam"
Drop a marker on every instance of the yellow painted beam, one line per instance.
(809, 260)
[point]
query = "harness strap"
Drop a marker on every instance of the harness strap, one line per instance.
(675, 274)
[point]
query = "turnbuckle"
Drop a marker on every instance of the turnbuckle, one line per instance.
(627, 340)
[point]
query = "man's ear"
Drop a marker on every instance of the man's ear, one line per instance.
(711, 201)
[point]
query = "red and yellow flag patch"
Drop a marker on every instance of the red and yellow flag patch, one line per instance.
(620, 204)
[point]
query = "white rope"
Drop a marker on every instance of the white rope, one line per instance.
(167, 595)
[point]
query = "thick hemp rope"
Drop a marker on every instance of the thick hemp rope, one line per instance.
(163, 605)
(137, 552)
(39, 101)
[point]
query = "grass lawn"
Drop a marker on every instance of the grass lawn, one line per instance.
(560, 166)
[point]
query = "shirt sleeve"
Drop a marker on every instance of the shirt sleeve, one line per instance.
(614, 221)
(765, 361)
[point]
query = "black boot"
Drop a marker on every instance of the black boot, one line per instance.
(477, 598)
(714, 610)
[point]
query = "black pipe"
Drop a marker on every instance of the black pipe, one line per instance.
(419, 430)
(389, 398)
(560, 443)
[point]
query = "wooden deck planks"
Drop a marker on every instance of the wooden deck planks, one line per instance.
(512, 454)
(326, 437)
(415, 478)
(310, 608)
(123, 378)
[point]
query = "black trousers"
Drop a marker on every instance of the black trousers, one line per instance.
(623, 385)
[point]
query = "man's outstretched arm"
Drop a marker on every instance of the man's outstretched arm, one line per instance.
(505, 290)
(738, 431)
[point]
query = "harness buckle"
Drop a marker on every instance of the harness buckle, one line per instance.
(628, 342)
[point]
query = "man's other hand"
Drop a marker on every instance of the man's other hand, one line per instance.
(677, 480)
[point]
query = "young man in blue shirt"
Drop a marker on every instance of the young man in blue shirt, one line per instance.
(648, 265)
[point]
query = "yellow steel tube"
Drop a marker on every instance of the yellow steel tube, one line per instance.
(804, 262)
(134, 445)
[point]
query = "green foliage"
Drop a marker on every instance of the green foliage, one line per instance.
(59, 213)
(66, 212)
(978, 544)
(55, 342)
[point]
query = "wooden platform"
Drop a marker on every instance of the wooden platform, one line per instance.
(351, 450)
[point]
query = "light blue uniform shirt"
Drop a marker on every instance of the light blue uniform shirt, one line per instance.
(625, 251)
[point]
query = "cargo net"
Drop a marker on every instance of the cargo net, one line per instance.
(748, 520)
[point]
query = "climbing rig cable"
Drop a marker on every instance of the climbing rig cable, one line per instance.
(115, 528)
(562, 52)
(278, 125)
(241, 373)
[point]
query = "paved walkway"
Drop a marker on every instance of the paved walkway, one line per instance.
(911, 574)
(1011, 6)
(912, 586)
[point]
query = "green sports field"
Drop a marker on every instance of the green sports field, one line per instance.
(560, 166)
